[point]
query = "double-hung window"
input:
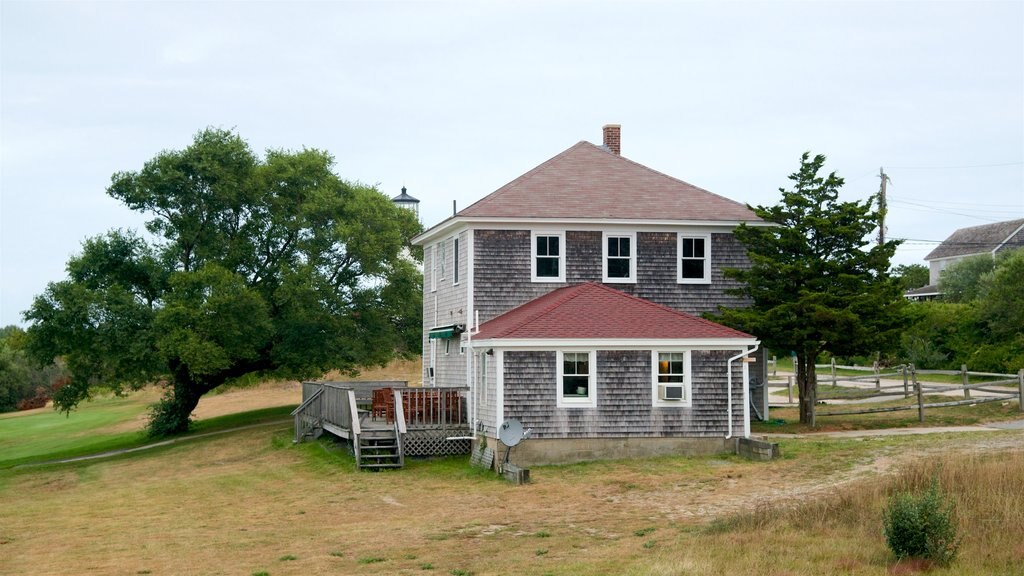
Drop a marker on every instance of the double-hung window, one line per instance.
(694, 260)
(670, 378)
(619, 263)
(547, 263)
(442, 257)
(455, 260)
(577, 380)
(433, 267)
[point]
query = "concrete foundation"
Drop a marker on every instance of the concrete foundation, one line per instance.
(542, 451)
(757, 449)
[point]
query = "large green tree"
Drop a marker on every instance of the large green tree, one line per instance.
(272, 266)
(911, 276)
(961, 281)
(815, 283)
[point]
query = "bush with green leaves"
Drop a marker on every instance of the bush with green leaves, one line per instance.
(922, 526)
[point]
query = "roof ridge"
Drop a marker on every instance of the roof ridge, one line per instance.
(556, 301)
(681, 181)
(521, 179)
(666, 308)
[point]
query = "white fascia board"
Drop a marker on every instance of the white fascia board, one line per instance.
(446, 227)
(1007, 239)
(959, 257)
(616, 344)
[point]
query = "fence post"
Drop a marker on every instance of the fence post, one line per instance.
(906, 389)
(878, 380)
(775, 366)
(963, 372)
(789, 387)
(833, 372)
(1020, 389)
(920, 397)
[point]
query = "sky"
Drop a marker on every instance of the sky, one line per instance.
(455, 99)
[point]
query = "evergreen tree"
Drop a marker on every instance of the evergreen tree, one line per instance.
(814, 282)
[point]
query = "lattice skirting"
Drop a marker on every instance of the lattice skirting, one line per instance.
(427, 443)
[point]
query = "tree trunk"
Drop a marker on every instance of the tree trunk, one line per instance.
(173, 414)
(807, 381)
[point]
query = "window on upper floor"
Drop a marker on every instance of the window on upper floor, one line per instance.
(619, 264)
(441, 257)
(547, 263)
(577, 379)
(433, 268)
(694, 262)
(670, 379)
(455, 260)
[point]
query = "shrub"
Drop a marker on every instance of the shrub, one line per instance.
(922, 526)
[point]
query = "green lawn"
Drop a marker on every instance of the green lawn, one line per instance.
(98, 426)
(48, 434)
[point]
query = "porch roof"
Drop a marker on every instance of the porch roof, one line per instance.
(596, 311)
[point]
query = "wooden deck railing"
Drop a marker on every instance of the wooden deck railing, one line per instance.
(421, 408)
(309, 415)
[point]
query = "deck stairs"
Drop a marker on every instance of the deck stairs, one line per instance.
(378, 449)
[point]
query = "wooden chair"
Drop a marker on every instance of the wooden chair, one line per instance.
(383, 404)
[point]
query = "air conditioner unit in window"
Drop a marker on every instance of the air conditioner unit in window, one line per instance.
(672, 392)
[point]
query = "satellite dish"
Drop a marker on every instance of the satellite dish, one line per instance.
(511, 432)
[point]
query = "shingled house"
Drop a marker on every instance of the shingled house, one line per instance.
(569, 299)
(987, 239)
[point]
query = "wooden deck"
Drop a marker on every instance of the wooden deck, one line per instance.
(386, 421)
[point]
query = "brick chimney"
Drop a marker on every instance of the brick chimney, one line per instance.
(611, 138)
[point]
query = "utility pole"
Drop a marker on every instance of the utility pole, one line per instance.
(882, 206)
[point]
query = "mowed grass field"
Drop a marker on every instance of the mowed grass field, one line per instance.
(250, 502)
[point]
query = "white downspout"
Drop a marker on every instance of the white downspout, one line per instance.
(746, 409)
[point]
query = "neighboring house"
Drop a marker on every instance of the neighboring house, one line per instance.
(568, 299)
(987, 239)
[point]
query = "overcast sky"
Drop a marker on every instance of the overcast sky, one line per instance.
(454, 99)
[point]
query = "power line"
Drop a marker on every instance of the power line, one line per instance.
(963, 167)
(895, 198)
(1001, 212)
(962, 243)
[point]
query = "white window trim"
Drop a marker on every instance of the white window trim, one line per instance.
(591, 400)
(456, 248)
(632, 258)
(533, 256)
(679, 259)
(687, 401)
(433, 268)
(442, 251)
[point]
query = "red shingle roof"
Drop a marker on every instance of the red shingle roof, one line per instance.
(588, 181)
(594, 310)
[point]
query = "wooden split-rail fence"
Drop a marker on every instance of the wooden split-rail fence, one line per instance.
(385, 421)
(997, 387)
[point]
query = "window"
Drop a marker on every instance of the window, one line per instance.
(694, 259)
(671, 378)
(548, 261)
(482, 376)
(433, 361)
(433, 268)
(619, 258)
(441, 255)
(455, 260)
(576, 380)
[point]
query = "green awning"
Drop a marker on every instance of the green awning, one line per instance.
(450, 331)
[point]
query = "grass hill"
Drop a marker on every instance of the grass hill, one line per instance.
(250, 502)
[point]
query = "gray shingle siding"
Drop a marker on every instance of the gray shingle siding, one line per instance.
(624, 403)
(502, 270)
(444, 306)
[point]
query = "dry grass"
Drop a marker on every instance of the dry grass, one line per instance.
(251, 502)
